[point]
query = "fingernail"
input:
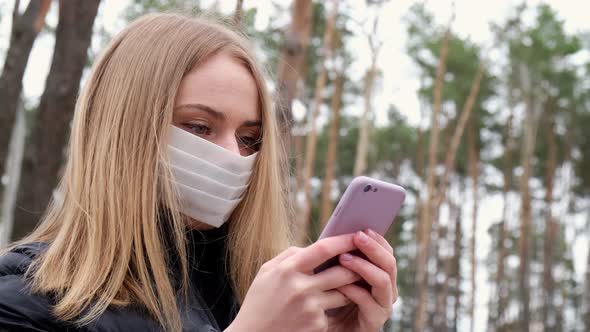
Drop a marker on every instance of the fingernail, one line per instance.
(346, 257)
(363, 238)
(371, 233)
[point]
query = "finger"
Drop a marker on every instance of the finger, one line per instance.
(395, 294)
(394, 283)
(333, 299)
(284, 255)
(314, 255)
(380, 239)
(376, 253)
(367, 305)
(385, 244)
(380, 281)
(333, 277)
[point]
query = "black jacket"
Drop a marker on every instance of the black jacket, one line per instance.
(22, 311)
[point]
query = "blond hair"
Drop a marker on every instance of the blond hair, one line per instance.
(105, 234)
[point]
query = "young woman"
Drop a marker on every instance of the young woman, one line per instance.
(171, 213)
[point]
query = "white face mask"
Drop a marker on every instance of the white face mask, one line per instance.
(210, 179)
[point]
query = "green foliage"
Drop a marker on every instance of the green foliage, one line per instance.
(538, 47)
(315, 51)
(543, 47)
(542, 51)
(464, 57)
(347, 141)
(582, 163)
(393, 143)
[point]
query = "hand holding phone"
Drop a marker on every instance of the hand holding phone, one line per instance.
(366, 204)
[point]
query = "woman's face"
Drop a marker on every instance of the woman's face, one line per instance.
(218, 101)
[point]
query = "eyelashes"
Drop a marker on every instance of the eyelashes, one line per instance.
(250, 141)
(198, 128)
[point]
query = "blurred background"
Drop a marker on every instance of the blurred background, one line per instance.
(480, 109)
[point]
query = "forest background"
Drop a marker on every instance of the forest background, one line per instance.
(480, 109)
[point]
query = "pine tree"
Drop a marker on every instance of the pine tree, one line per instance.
(44, 154)
(24, 31)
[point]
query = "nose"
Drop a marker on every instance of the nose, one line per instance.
(230, 143)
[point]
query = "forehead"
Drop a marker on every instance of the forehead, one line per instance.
(223, 83)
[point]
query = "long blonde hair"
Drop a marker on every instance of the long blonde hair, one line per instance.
(105, 234)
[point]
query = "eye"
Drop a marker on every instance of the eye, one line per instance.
(198, 128)
(250, 142)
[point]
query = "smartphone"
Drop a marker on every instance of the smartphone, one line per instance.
(366, 203)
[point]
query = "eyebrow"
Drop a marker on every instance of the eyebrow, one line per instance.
(219, 115)
(211, 111)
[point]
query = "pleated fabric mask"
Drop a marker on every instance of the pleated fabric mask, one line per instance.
(210, 180)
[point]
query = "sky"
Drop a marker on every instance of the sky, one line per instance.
(398, 86)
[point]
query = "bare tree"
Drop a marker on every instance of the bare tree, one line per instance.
(44, 154)
(443, 266)
(473, 161)
(456, 267)
(13, 170)
(501, 287)
(315, 110)
(456, 138)
(419, 157)
(587, 293)
(291, 60)
(326, 204)
(528, 146)
(425, 222)
(25, 28)
(441, 194)
(362, 152)
(551, 227)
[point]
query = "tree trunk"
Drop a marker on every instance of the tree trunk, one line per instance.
(419, 153)
(456, 267)
(444, 267)
(456, 138)
(501, 285)
(551, 228)
(587, 293)
(440, 321)
(291, 61)
(238, 12)
(326, 205)
(360, 164)
(291, 64)
(13, 170)
(44, 154)
(526, 213)
(312, 136)
(425, 224)
(473, 160)
(25, 28)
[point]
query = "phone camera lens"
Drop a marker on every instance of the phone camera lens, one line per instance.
(367, 188)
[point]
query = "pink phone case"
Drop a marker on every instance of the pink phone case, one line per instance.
(366, 203)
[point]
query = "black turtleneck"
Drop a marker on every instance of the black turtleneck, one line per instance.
(207, 258)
